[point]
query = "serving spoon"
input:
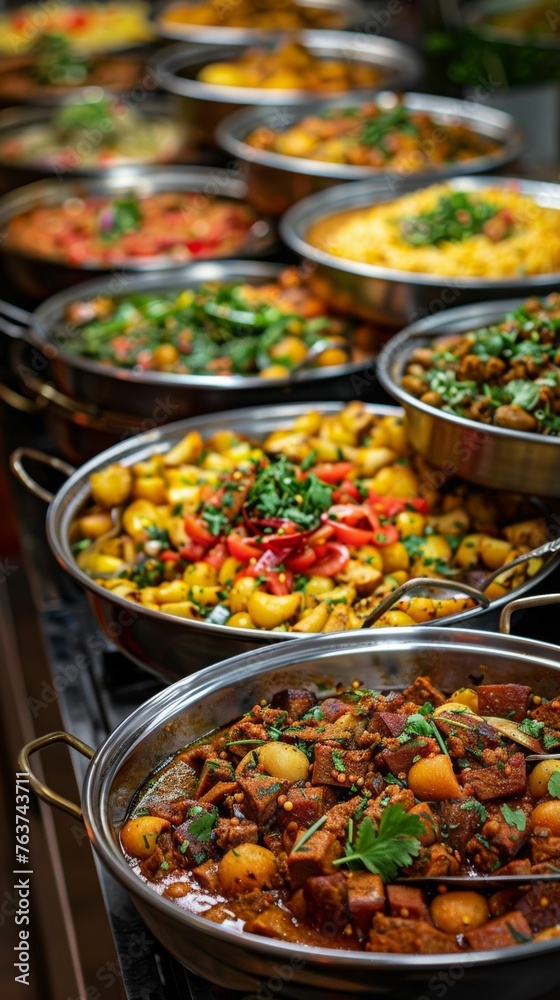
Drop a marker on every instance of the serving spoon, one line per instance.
(474, 881)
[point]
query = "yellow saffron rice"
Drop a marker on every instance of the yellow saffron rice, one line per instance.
(372, 236)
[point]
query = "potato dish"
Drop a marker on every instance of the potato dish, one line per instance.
(440, 230)
(294, 821)
(306, 531)
(393, 138)
(289, 67)
(277, 15)
(505, 374)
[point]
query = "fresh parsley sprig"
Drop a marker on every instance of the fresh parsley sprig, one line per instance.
(386, 848)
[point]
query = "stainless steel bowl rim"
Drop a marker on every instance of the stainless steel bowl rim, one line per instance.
(397, 350)
(295, 224)
(473, 15)
(404, 62)
(150, 442)
(191, 274)
(147, 180)
(213, 34)
(233, 131)
(237, 670)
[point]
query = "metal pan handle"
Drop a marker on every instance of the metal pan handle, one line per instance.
(423, 581)
(23, 404)
(14, 321)
(43, 791)
(22, 475)
(521, 604)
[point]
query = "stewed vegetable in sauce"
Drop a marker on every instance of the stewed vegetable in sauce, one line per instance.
(277, 15)
(294, 821)
(291, 66)
(305, 531)
(218, 328)
(381, 135)
(505, 374)
(174, 225)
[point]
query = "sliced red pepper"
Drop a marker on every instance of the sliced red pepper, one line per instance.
(320, 535)
(241, 547)
(347, 492)
(387, 534)
(197, 530)
(302, 560)
(332, 472)
(353, 536)
(391, 506)
(216, 556)
(281, 583)
(333, 562)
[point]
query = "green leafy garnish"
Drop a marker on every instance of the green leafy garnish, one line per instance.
(277, 492)
(554, 785)
(514, 817)
(532, 728)
(308, 833)
(201, 828)
(456, 217)
(385, 849)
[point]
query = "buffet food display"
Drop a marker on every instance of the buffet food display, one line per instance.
(394, 138)
(217, 328)
(123, 135)
(102, 232)
(491, 233)
(90, 27)
(364, 775)
(297, 817)
(306, 531)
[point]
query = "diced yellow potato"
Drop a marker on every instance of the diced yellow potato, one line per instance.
(269, 610)
(206, 596)
(393, 431)
(314, 619)
(397, 481)
(467, 554)
(421, 609)
(180, 609)
(242, 619)
(338, 619)
(228, 569)
(150, 488)
(187, 496)
(172, 592)
(188, 450)
(361, 576)
(240, 593)
(150, 467)
(370, 555)
(200, 574)
(410, 522)
(451, 605)
(371, 460)
(138, 516)
(494, 552)
(395, 557)
(466, 696)
(530, 533)
(96, 524)
(110, 487)
(454, 522)
(99, 563)
(393, 619)
(308, 423)
(434, 548)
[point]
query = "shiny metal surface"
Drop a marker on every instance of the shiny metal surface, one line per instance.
(399, 297)
(38, 277)
(491, 456)
(13, 175)
(214, 697)
(122, 399)
(276, 182)
(203, 105)
(173, 647)
(352, 13)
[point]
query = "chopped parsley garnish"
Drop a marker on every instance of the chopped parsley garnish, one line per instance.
(277, 492)
(532, 728)
(386, 848)
(514, 817)
(554, 785)
(456, 217)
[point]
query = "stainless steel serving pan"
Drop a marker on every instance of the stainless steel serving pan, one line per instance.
(491, 456)
(39, 276)
(131, 396)
(276, 181)
(13, 120)
(204, 105)
(399, 297)
(351, 13)
(173, 647)
(474, 14)
(191, 708)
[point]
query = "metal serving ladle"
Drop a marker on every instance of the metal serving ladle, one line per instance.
(319, 348)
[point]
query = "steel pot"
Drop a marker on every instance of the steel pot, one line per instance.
(38, 276)
(491, 456)
(204, 105)
(157, 397)
(167, 646)
(276, 181)
(191, 708)
(15, 174)
(399, 297)
(351, 13)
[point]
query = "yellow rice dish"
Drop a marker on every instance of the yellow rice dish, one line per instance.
(492, 233)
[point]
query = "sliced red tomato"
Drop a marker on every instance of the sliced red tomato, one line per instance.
(333, 562)
(347, 492)
(320, 535)
(391, 506)
(386, 534)
(353, 524)
(280, 583)
(169, 556)
(332, 472)
(197, 530)
(302, 560)
(284, 543)
(242, 548)
(353, 536)
(192, 551)
(217, 556)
